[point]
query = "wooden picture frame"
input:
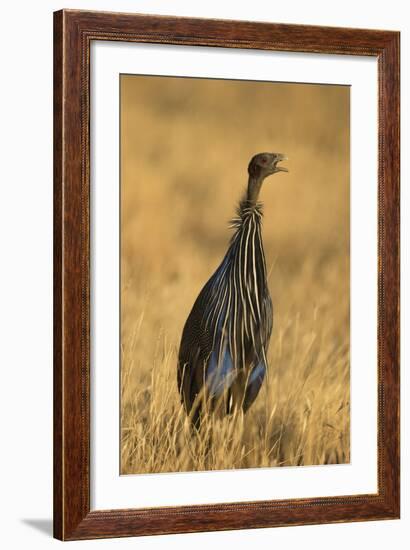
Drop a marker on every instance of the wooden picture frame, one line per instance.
(73, 33)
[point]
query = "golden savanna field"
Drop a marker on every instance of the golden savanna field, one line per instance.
(185, 148)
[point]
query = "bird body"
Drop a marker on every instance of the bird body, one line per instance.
(222, 359)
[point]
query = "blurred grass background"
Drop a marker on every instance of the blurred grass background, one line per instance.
(185, 147)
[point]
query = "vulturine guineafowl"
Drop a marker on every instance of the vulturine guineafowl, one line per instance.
(222, 358)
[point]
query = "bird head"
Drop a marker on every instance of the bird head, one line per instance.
(266, 164)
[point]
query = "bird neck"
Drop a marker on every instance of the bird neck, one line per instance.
(254, 187)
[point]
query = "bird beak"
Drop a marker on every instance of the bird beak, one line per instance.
(280, 158)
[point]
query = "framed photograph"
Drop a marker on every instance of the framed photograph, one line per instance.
(226, 275)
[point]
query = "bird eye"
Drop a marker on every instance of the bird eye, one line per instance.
(264, 160)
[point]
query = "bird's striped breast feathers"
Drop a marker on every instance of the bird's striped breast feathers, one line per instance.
(226, 335)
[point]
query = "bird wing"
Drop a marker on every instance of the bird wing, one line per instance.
(204, 354)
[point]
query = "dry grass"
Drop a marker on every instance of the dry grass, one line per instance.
(185, 148)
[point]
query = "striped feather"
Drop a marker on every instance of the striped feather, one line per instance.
(226, 336)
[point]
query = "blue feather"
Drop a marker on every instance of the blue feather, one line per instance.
(254, 383)
(220, 377)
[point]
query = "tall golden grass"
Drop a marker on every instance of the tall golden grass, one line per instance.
(185, 146)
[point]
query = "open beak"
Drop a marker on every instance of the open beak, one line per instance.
(280, 158)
